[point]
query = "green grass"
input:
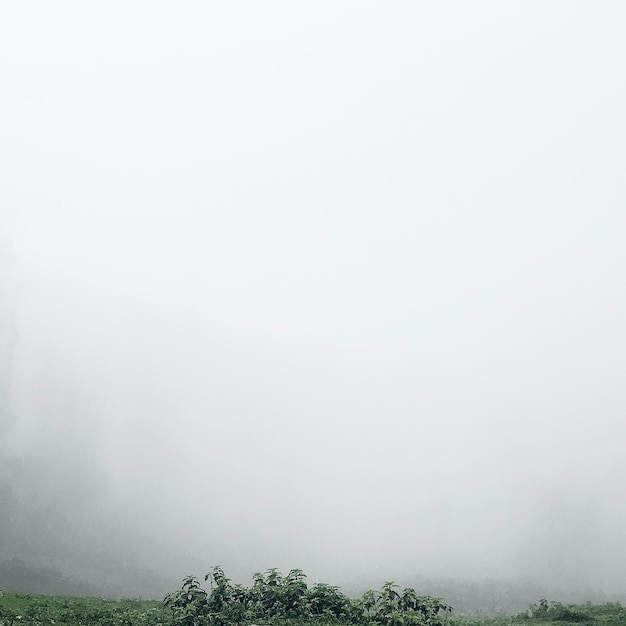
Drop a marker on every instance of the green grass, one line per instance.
(557, 614)
(39, 610)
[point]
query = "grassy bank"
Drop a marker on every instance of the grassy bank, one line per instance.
(39, 610)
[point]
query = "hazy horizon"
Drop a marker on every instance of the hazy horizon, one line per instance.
(335, 286)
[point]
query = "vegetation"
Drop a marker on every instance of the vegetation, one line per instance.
(282, 600)
(553, 611)
(274, 596)
(18, 609)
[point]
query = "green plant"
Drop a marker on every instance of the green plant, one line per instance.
(553, 611)
(274, 596)
(189, 606)
(390, 608)
(293, 593)
(327, 601)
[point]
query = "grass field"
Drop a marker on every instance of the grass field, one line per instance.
(38, 610)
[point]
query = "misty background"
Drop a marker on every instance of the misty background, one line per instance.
(332, 285)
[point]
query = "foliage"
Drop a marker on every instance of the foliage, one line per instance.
(189, 606)
(327, 601)
(553, 611)
(389, 607)
(274, 596)
(37, 610)
(324, 605)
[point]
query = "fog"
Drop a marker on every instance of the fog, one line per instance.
(336, 286)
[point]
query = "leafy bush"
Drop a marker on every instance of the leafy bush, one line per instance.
(327, 601)
(189, 606)
(388, 607)
(554, 611)
(273, 595)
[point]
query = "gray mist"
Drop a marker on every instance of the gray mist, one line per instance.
(336, 286)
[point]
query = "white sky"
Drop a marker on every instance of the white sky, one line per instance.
(338, 282)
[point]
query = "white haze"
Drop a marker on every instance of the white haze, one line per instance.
(330, 285)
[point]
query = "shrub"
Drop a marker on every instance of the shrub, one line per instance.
(388, 607)
(273, 595)
(554, 611)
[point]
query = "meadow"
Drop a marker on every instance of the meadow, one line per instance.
(277, 600)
